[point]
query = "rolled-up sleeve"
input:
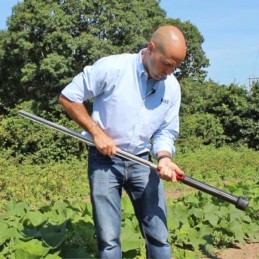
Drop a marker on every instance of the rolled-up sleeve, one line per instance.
(86, 84)
(77, 91)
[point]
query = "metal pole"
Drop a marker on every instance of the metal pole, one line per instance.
(240, 202)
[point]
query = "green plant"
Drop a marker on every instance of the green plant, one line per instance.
(58, 229)
(63, 229)
(43, 183)
(199, 222)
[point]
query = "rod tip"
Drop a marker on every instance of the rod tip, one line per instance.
(242, 203)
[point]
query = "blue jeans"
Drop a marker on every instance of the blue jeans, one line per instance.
(107, 177)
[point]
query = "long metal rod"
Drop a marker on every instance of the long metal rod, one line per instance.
(240, 202)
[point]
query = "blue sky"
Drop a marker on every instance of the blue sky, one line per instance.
(231, 32)
(230, 29)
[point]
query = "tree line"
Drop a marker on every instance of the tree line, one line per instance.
(48, 42)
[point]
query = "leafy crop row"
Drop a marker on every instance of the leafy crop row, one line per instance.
(59, 230)
(199, 222)
(64, 229)
(45, 211)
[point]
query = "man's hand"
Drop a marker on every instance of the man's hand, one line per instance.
(168, 170)
(104, 144)
(79, 114)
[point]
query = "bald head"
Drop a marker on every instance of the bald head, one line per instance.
(170, 41)
(165, 51)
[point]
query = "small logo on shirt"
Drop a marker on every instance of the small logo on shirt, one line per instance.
(165, 101)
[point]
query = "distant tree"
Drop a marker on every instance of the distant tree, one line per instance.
(196, 61)
(229, 104)
(198, 126)
(196, 96)
(219, 114)
(251, 115)
(48, 41)
(238, 113)
(200, 129)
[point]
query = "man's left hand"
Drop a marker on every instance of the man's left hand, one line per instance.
(168, 170)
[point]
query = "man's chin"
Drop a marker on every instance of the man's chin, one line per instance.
(159, 77)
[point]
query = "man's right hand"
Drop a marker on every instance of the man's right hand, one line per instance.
(104, 143)
(79, 114)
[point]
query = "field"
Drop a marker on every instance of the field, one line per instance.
(238, 251)
(45, 209)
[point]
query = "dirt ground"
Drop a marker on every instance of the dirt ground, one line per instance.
(247, 251)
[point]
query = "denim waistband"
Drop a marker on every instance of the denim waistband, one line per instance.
(144, 154)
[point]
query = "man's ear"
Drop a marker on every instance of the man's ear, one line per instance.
(151, 46)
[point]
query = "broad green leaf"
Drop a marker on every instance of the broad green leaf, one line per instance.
(194, 238)
(212, 218)
(172, 222)
(184, 229)
(80, 206)
(210, 208)
(89, 208)
(54, 235)
(7, 232)
(197, 212)
(61, 205)
(33, 247)
(131, 245)
(30, 233)
(181, 212)
(252, 230)
(54, 239)
(205, 231)
(208, 248)
(246, 218)
(128, 224)
(66, 213)
(130, 239)
(224, 211)
(192, 199)
(36, 218)
(21, 254)
(54, 216)
(13, 208)
(73, 252)
(237, 215)
(236, 229)
(224, 224)
(52, 256)
(4, 233)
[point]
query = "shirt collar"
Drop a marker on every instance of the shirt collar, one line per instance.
(140, 66)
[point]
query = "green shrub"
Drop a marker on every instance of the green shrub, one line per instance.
(22, 138)
(43, 183)
(219, 164)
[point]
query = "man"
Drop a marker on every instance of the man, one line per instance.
(136, 102)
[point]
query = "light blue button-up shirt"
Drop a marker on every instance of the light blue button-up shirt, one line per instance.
(128, 106)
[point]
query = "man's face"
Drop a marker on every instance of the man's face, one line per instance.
(160, 63)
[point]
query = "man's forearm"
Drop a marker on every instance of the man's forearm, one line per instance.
(80, 115)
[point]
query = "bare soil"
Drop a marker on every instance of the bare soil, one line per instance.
(247, 251)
